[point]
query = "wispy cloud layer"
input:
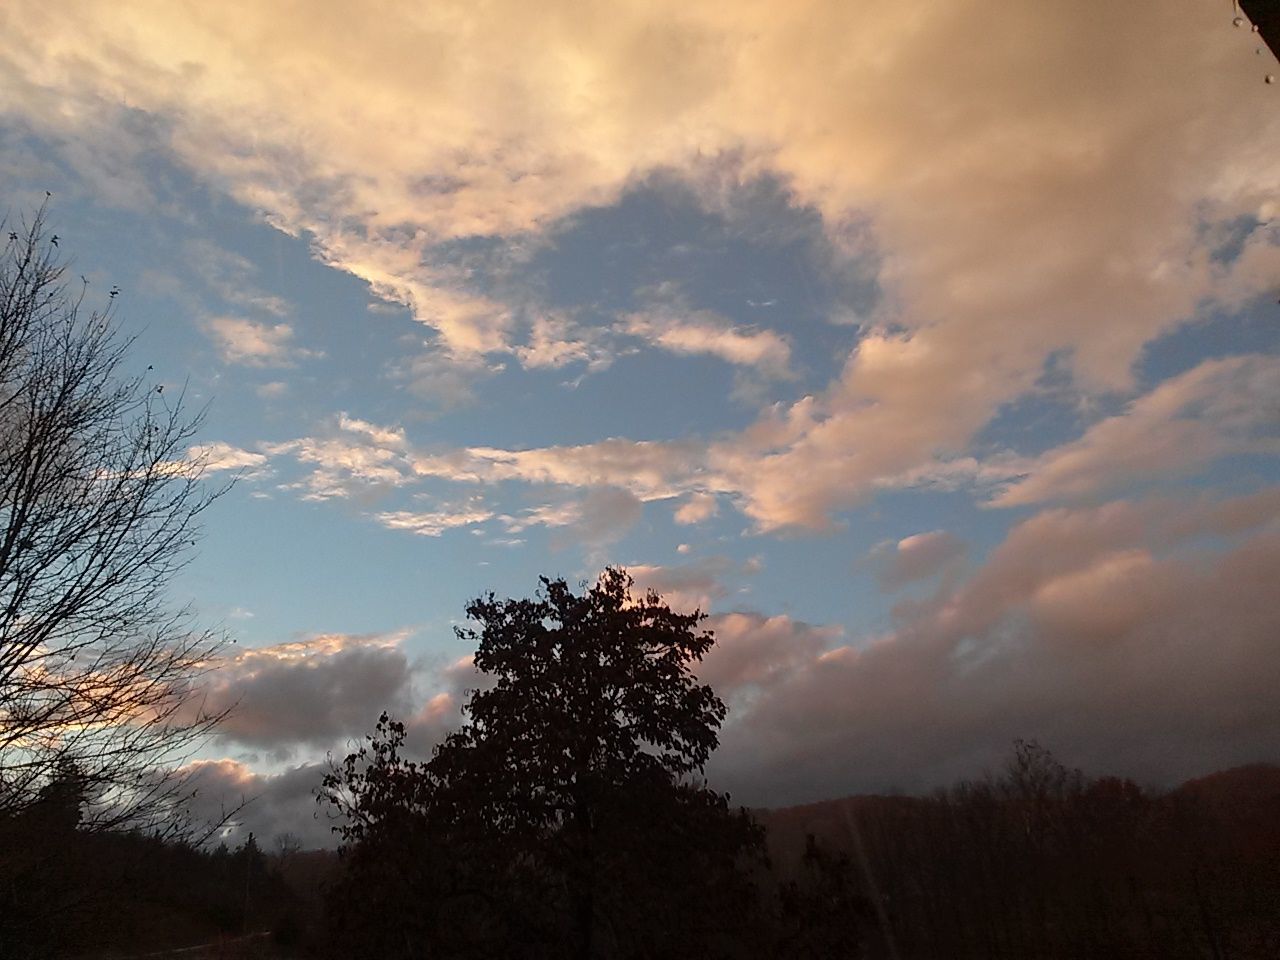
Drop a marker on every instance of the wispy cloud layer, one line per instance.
(703, 332)
(799, 466)
(1220, 407)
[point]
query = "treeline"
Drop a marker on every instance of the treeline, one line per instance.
(67, 891)
(1041, 862)
(1035, 862)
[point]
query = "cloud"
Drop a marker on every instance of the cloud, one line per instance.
(607, 514)
(1132, 636)
(255, 344)
(917, 557)
(432, 523)
(800, 464)
(467, 324)
(219, 455)
(1217, 408)
(441, 713)
(603, 516)
(647, 469)
(546, 515)
(356, 457)
(445, 378)
(556, 341)
(697, 584)
(378, 435)
(705, 332)
(1118, 636)
(1026, 184)
(313, 692)
(231, 277)
(284, 801)
(273, 804)
(612, 479)
(697, 508)
(757, 651)
(686, 586)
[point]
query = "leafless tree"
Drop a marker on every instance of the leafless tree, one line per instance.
(100, 501)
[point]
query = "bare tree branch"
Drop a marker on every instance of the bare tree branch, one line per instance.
(100, 502)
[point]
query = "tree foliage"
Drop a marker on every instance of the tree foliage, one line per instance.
(565, 817)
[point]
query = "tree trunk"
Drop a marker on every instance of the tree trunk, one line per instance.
(584, 903)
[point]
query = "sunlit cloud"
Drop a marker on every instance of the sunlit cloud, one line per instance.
(556, 341)
(255, 344)
(1036, 194)
(432, 523)
(697, 508)
(649, 470)
(218, 456)
(703, 332)
(796, 467)
(917, 557)
(1220, 407)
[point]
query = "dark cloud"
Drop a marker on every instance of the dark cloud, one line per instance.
(344, 682)
(314, 692)
(267, 805)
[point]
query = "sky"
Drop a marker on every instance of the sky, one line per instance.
(931, 348)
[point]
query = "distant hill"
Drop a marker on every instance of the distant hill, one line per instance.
(832, 822)
(1255, 784)
(1243, 801)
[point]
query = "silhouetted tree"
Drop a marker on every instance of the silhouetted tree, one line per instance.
(823, 913)
(39, 860)
(99, 501)
(565, 817)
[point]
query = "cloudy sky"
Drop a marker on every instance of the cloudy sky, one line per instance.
(931, 347)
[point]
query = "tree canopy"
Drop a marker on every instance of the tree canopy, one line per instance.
(566, 816)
